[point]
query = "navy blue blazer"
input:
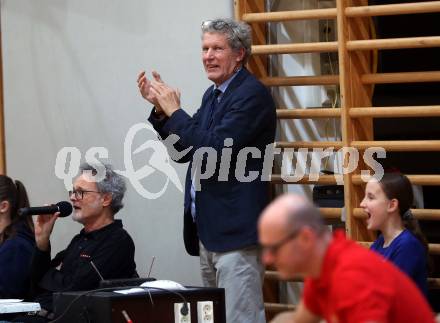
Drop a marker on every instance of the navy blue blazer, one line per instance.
(227, 210)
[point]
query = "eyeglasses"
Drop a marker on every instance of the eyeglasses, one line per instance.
(220, 25)
(79, 194)
(273, 248)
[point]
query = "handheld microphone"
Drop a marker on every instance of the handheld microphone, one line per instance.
(64, 207)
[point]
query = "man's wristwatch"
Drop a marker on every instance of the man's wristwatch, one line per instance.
(156, 112)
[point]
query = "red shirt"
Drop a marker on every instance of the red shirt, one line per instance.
(356, 286)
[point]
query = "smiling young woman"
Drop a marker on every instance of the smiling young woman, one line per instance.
(387, 204)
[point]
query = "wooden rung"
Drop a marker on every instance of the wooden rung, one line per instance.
(434, 283)
(329, 13)
(424, 180)
(331, 212)
(400, 145)
(404, 77)
(393, 9)
(321, 47)
(301, 80)
(278, 307)
(434, 248)
(309, 113)
(420, 214)
(271, 275)
(274, 275)
(322, 179)
(396, 112)
(308, 144)
(394, 43)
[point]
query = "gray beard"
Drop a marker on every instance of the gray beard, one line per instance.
(76, 218)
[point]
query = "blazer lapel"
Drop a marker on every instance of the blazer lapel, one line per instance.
(231, 87)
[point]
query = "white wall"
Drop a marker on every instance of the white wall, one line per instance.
(70, 70)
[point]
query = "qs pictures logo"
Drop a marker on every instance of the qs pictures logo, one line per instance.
(68, 161)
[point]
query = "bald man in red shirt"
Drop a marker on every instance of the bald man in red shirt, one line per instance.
(344, 282)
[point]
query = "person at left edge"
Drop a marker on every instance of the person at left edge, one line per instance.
(102, 240)
(17, 242)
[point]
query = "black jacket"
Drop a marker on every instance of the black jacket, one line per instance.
(110, 248)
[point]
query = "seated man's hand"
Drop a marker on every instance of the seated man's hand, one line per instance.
(43, 227)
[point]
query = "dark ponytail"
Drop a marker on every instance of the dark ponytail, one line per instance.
(23, 201)
(397, 186)
(16, 195)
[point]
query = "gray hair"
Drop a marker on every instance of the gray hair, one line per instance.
(307, 216)
(238, 34)
(112, 183)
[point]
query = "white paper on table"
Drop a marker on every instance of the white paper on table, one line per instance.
(155, 284)
(130, 291)
(18, 307)
(163, 284)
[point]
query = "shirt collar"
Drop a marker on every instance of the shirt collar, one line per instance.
(222, 87)
(97, 233)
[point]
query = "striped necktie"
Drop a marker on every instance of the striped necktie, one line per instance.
(214, 105)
